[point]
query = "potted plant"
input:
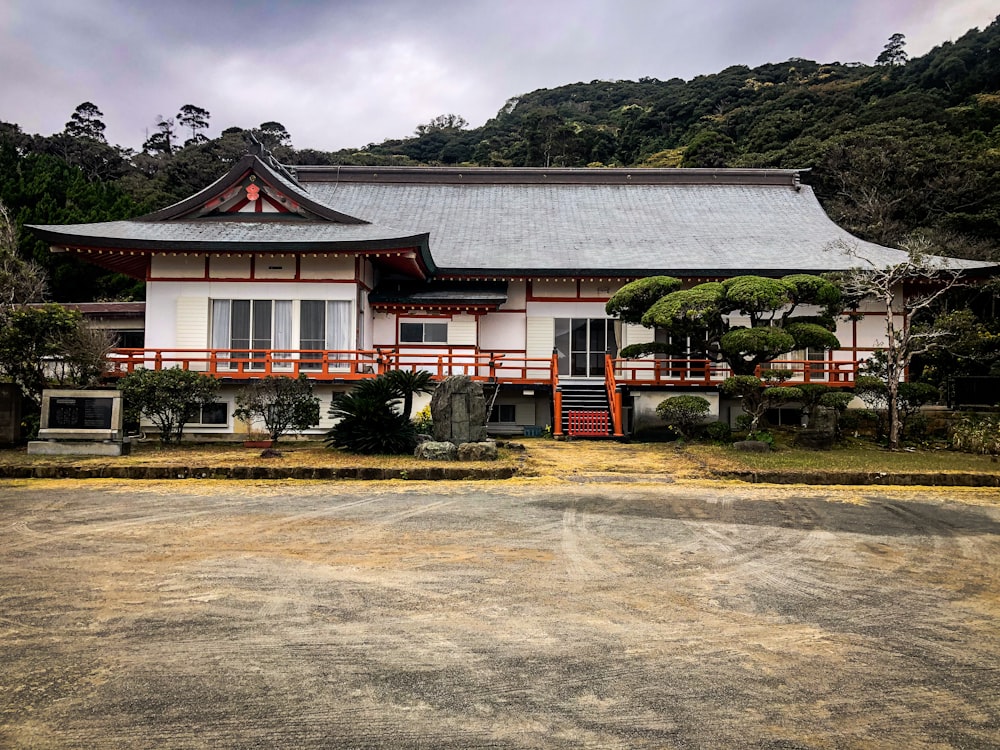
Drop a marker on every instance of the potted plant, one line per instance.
(258, 439)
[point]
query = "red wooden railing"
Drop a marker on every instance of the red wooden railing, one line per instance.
(614, 396)
(324, 365)
(556, 397)
(703, 372)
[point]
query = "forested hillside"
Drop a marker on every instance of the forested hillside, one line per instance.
(898, 148)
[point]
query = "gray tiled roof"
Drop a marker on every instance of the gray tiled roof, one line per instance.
(512, 222)
(210, 233)
(700, 229)
(442, 292)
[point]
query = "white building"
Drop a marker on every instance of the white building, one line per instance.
(501, 274)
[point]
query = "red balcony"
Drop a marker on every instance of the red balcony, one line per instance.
(323, 365)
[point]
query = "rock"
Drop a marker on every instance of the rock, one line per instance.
(458, 409)
(436, 450)
(817, 440)
(485, 450)
(515, 447)
(824, 419)
(270, 453)
(752, 446)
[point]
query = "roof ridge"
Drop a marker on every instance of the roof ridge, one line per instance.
(544, 175)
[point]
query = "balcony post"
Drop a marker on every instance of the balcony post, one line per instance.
(557, 415)
(617, 414)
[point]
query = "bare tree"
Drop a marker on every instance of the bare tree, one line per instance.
(21, 281)
(83, 357)
(903, 291)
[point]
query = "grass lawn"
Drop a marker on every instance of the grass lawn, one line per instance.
(856, 456)
(546, 457)
(294, 454)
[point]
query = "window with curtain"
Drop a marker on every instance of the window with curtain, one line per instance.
(249, 329)
(324, 326)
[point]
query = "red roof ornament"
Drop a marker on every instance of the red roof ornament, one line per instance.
(253, 192)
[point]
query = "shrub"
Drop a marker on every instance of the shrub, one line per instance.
(282, 404)
(407, 383)
(720, 432)
(423, 423)
(368, 421)
(170, 398)
(683, 413)
(857, 421)
(976, 434)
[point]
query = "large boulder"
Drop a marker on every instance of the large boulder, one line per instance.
(458, 409)
(821, 434)
(432, 450)
(483, 451)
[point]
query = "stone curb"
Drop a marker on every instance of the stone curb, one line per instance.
(254, 472)
(437, 473)
(861, 478)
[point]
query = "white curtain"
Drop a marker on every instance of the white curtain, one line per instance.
(338, 325)
(220, 323)
(282, 324)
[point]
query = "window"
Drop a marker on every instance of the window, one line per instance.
(817, 359)
(214, 414)
(249, 329)
(423, 333)
(583, 343)
(504, 413)
(687, 357)
(129, 339)
(324, 325)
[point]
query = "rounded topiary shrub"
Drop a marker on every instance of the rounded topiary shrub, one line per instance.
(720, 432)
(683, 414)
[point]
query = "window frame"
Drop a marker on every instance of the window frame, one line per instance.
(425, 327)
(201, 415)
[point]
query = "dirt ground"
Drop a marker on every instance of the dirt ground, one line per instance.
(535, 613)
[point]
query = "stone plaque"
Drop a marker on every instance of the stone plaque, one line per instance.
(80, 413)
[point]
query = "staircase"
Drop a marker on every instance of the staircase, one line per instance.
(585, 409)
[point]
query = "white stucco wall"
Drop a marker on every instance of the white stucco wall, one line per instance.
(645, 403)
(162, 301)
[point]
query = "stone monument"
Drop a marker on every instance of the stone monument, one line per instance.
(821, 433)
(458, 408)
(80, 422)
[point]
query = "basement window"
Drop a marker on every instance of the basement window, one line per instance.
(214, 414)
(504, 413)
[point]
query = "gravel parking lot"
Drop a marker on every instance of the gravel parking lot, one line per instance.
(521, 614)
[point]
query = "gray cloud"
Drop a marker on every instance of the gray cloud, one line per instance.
(346, 73)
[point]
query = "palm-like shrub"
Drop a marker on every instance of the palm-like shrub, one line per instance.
(408, 383)
(368, 421)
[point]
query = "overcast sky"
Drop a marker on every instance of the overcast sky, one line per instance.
(345, 73)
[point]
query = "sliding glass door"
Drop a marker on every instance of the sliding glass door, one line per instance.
(582, 344)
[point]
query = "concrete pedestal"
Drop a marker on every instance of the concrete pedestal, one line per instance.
(78, 448)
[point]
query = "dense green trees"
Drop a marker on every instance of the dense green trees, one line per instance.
(49, 345)
(902, 145)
